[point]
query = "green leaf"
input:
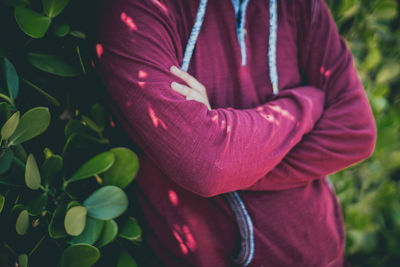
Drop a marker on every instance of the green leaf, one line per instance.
(388, 73)
(126, 260)
(386, 9)
(92, 125)
(53, 8)
(78, 34)
(23, 260)
(30, 22)
(73, 203)
(5, 112)
(98, 114)
(37, 205)
(34, 122)
(2, 201)
(17, 207)
(349, 8)
(6, 98)
(62, 30)
(51, 169)
(56, 227)
(108, 234)
(32, 175)
(79, 148)
(75, 126)
(373, 58)
(131, 230)
(94, 166)
(91, 232)
(19, 152)
(106, 203)
(22, 223)
(10, 126)
(75, 220)
(124, 169)
(11, 79)
(53, 64)
(6, 160)
(79, 255)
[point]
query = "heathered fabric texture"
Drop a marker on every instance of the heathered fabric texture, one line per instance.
(276, 149)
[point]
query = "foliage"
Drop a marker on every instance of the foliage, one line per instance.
(370, 192)
(67, 207)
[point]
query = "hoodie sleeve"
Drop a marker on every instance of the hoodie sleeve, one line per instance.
(208, 152)
(346, 132)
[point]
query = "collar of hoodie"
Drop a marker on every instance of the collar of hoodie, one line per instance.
(240, 7)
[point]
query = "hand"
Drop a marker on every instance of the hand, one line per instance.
(194, 91)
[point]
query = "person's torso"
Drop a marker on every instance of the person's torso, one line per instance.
(297, 227)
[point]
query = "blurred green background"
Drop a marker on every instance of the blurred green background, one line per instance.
(369, 192)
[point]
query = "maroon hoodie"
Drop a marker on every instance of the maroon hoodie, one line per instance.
(274, 150)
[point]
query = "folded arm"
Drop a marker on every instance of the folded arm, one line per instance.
(208, 152)
(346, 131)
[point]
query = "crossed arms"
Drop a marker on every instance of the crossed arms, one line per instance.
(210, 152)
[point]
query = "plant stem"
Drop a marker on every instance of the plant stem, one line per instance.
(37, 245)
(50, 98)
(78, 51)
(43, 188)
(8, 99)
(98, 179)
(19, 163)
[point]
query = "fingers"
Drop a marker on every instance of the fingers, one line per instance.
(180, 88)
(186, 91)
(189, 79)
(190, 94)
(194, 91)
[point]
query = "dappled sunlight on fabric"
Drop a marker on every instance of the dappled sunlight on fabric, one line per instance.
(191, 243)
(142, 74)
(185, 238)
(155, 119)
(265, 115)
(223, 124)
(324, 72)
(160, 5)
(142, 84)
(99, 50)
(214, 118)
(228, 128)
(283, 112)
(173, 197)
(112, 123)
(128, 21)
(184, 248)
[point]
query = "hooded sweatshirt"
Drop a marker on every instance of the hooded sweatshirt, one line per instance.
(244, 183)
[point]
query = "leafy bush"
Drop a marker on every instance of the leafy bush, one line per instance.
(370, 192)
(69, 206)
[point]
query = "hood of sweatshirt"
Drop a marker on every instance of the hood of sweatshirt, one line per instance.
(240, 7)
